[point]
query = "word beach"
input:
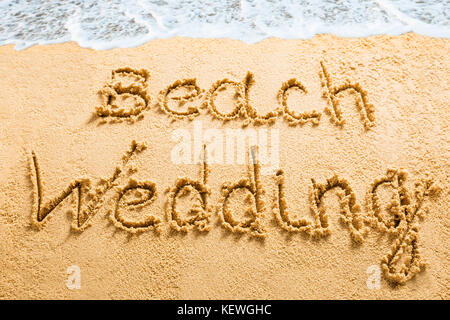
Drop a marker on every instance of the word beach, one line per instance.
(125, 97)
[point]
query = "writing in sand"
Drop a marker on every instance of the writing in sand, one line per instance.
(128, 194)
(398, 217)
(125, 97)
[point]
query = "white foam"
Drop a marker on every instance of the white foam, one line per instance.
(109, 24)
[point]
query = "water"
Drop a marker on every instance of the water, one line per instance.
(103, 24)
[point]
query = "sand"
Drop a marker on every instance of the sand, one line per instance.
(88, 180)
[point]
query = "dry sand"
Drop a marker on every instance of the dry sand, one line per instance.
(57, 133)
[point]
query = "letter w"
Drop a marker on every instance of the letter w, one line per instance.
(82, 187)
(41, 211)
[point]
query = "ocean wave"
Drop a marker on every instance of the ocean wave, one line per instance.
(127, 23)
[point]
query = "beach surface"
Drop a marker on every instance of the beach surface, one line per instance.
(90, 179)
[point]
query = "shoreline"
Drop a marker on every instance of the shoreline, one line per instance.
(408, 34)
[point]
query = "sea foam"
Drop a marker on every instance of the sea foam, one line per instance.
(103, 24)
